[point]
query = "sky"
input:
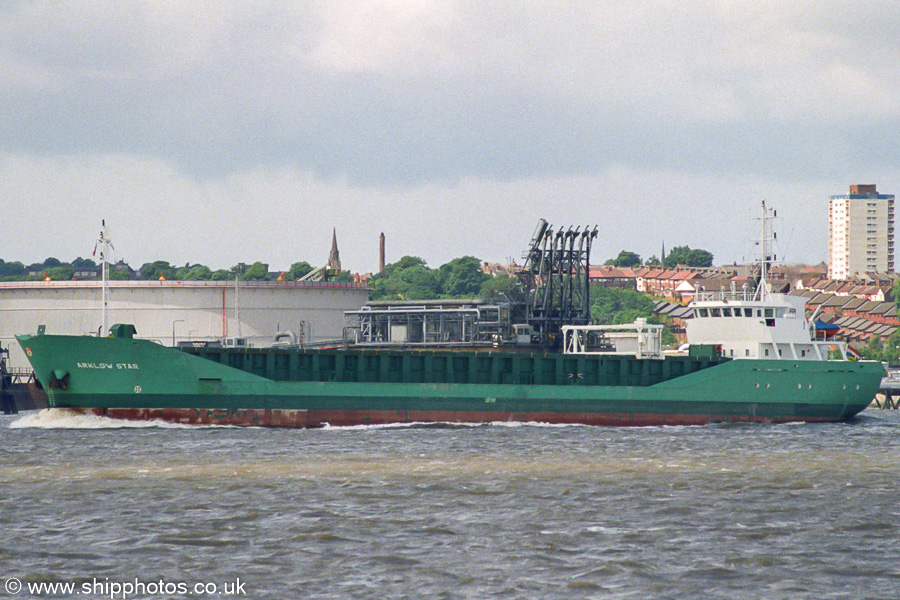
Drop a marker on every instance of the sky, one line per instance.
(224, 132)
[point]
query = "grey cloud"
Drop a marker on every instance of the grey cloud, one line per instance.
(506, 92)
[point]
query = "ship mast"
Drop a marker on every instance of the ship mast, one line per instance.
(765, 237)
(105, 244)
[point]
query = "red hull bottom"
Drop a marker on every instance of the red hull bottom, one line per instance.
(297, 419)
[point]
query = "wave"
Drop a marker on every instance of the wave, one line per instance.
(64, 418)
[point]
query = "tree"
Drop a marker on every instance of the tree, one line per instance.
(83, 263)
(404, 263)
(873, 350)
(498, 286)
(461, 277)
(257, 271)
(653, 261)
(891, 349)
(700, 258)
(609, 303)
(195, 273)
(683, 255)
(12, 269)
(155, 269)
(616, 307)
(422, 283)
(222, 275)
(625, 259)
(299, 269)
(60, 273)
(408, 278)
(895, 292)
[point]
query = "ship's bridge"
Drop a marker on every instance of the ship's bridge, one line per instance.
(744, 327)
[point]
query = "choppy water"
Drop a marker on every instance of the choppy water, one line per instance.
(500, 511)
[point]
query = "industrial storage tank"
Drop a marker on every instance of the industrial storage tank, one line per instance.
(173, 312)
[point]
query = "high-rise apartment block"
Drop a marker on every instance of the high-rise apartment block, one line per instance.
(860, 232)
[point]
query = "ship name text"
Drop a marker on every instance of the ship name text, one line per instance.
(110, 366)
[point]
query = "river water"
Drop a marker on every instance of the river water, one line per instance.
(496, 511)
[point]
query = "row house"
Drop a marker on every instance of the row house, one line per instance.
(860, 318)
(612, 277)
(666, 282)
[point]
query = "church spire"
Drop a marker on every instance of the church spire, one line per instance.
(334, 257)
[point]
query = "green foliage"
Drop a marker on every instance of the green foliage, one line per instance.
(497, 287)
(683, 255)
(258, 271)
(404, 263)
(615, 307)
(618, 307)
(298, 270)
(410, 279)
(83, 263)
(119, 275)
(873, 350)
(887, 351)
(222, 275)
(653, 261)
(422, 283)
(461, 277)
(12, 269)
(60, 273)
(883, 350)
(194, 273)
(625, 259)
(155, 269)
(895, 292)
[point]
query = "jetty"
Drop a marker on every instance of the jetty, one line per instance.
(888, 396)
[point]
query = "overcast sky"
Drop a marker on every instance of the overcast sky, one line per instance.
(219, 132)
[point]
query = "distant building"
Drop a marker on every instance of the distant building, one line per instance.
(334, 257)
(860, 232)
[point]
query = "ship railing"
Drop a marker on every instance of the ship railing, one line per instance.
(639, 339)
(726, 296)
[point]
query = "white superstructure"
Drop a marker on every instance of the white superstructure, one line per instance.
(639, 339)
(758, 323)
(745, 324)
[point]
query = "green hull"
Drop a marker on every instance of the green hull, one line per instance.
(131, 378)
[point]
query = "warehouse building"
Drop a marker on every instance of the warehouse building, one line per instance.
(173, 312)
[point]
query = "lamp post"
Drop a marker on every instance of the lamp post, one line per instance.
(173, 329)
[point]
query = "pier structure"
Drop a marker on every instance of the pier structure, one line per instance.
(888, 397)
(555, 281)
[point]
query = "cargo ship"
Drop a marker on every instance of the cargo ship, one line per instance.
(753, 356)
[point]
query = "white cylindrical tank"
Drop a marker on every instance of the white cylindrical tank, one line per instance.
(177, 311)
